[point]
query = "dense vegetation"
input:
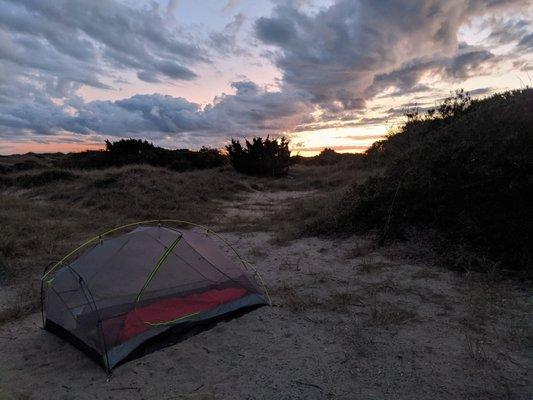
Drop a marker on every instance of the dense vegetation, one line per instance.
(462, 173)
(329, 157)
(268, 157)
(136, 151)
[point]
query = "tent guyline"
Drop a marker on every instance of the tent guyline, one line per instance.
(124, 290)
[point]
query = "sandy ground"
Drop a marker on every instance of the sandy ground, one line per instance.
(350, 322)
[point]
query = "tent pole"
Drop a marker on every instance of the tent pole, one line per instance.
(100, 329)
(158, 221)
(42, 287)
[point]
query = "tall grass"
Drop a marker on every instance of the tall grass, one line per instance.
(44, 214)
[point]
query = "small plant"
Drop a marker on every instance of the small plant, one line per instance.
(476, 350)
(390, 314)
(268, 157)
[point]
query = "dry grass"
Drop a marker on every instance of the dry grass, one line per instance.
(519, 331)
(293, 300)
(258, 252)
(369, 265)
(45, 212)
(42, 223)
(360, 249)
(475, 348)
(425, 273)
(386, 314)
(342, 300)
(26, 301)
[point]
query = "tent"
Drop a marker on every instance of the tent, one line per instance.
(124, 292)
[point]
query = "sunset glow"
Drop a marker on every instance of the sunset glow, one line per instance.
(336, 74)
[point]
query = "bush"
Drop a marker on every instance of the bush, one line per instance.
(327, 157)
(136, 151)
(89, 159)
(463, 171)
(268, 157)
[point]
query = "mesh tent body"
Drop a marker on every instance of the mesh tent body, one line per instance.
(127, 290)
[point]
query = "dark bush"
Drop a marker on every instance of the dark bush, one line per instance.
(327, 157)
(136, 151)
(464, 171)
(89, 159)
(268, 157)
(6, 181)
(130, 151)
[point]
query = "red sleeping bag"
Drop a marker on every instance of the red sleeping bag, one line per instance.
(172, 309)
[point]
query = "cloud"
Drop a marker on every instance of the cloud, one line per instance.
(335, 61)
(251, 110)
(231, 4)
(526, 43)
(75, 41)
(343, 54)
(506, 31)
(225, 41)
(172, 5)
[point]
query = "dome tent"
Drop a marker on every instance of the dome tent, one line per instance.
(125, 291)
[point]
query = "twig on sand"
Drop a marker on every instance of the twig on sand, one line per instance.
(309, 384)
(198, 388)
(125, 388)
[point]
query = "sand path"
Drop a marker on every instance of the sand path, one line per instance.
(352, 322)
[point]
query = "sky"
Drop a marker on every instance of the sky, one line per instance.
(190, 73)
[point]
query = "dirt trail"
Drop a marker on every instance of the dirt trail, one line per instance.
(350, 322)
(258, 204)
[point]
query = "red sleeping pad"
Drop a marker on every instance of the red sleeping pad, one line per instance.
(170, 310)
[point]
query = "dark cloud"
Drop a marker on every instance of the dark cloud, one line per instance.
(349, 51)
(481, 92)
(467, 64)
(526, 43)
(406, 79)
(279, 31)
(334, 61)
(81, 41)
(250, 110)
(225, 41)
(503, 32)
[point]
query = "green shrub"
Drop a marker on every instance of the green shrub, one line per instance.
(464, 171)
(268, 157)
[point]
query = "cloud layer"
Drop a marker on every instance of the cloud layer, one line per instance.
(349, 52)
(333, 63)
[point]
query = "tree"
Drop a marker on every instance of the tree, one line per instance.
(268, 157)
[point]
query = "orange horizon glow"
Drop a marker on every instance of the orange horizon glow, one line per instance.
(15, 148)
(24, 148)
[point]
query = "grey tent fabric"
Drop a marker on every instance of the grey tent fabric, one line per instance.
(126, 290)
